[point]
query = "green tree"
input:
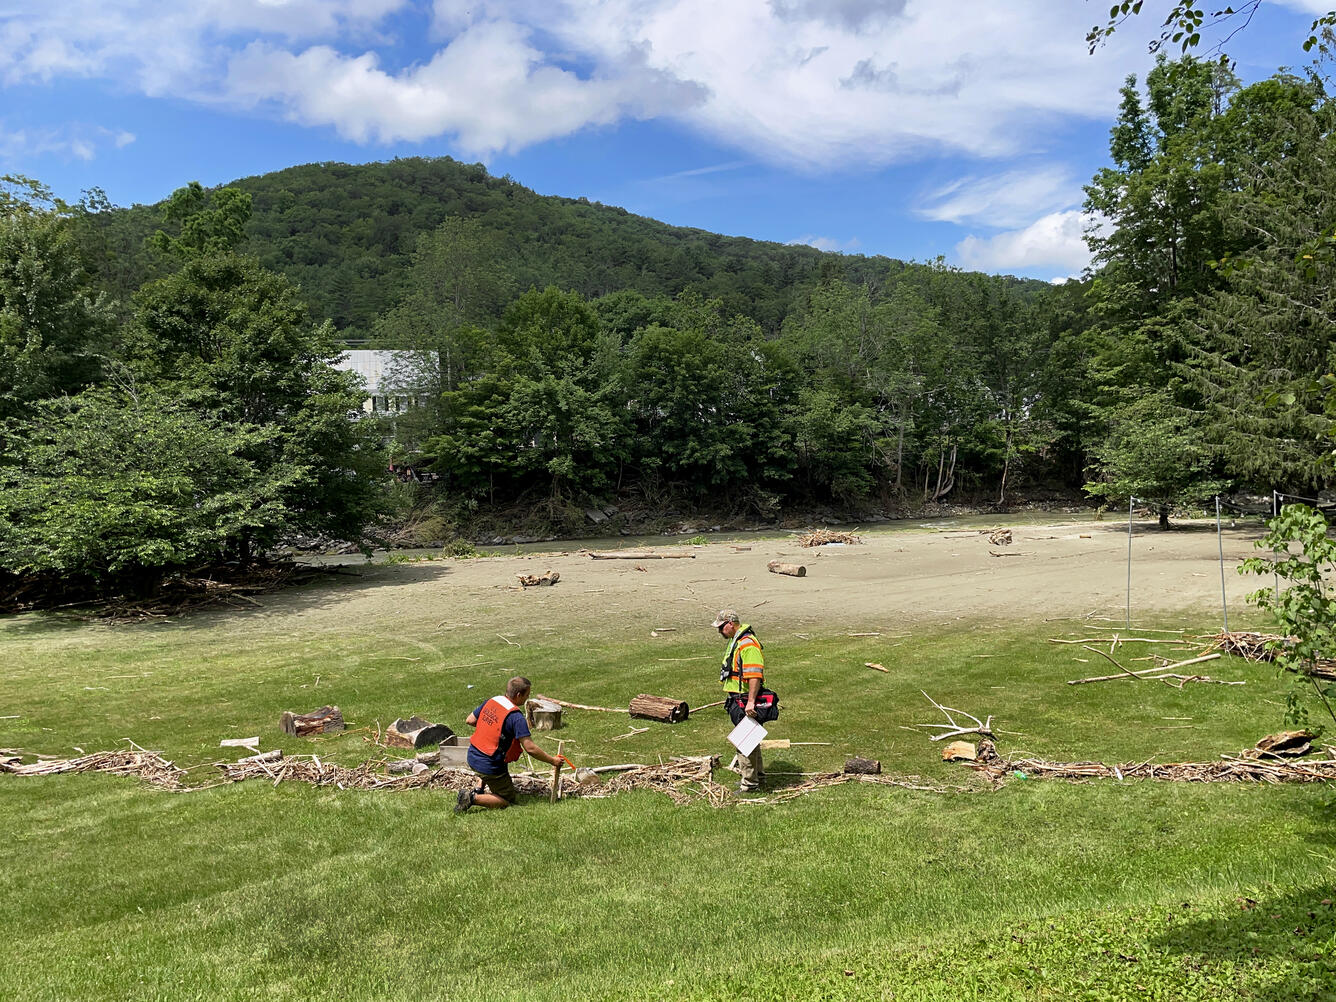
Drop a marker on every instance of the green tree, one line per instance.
(236, 342)
(552, 411)
(1154, 452)
(1305, 609)
(207, 223)
(1267, 334)
(52, 325)
(114, 488)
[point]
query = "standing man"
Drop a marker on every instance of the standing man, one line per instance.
(742, 673)
(501, 732)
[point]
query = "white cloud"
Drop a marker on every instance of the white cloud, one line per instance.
(849, 246)
(489, 87)
(77, 141)
(1011, 199)
(1054, 241)
(835, 83)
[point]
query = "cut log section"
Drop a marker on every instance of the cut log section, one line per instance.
(863, 766)
(534, 580)
(417, 733)
(959, 751)
(326, 720)
(543, 714)
(662, 708)
(792, 570)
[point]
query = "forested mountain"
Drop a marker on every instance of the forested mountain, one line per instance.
(346, 235)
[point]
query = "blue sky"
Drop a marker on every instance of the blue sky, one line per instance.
(912, 128)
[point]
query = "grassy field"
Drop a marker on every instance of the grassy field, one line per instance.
(1039, 890)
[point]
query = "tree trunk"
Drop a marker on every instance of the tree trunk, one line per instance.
(662, 708)
(1164, 516)
(792, 570)
(326, 720)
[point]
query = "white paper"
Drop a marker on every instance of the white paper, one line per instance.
(746, 736)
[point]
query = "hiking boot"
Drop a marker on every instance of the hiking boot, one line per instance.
(464, 801)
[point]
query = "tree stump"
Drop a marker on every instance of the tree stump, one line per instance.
(863, 766)
(416, 732)
(326, 720)
(662, 708)
(543, 714)
(792, 570)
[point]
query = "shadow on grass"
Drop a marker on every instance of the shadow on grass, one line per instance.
(1296, 928)
(332, 585)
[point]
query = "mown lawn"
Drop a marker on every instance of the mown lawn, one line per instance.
(1040, 890)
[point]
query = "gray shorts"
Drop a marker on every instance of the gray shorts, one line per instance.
(503, 786)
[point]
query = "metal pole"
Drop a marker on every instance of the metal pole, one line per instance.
(1224, 602)
(1275, 510)
(1130, 501)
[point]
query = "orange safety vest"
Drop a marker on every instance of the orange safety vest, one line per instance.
(487, 737)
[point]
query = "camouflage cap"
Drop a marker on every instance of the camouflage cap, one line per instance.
(725, 616)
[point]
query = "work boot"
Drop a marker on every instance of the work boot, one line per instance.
(464, 801)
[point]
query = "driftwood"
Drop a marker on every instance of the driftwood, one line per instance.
(642, 556)
(821, 537)
(1283, 744)
(543, 714)
(326, 720)
(417, 733)
(239, 742)
(1231, 769)
(1163, 673)
(863, 766)
(1258, 647)
(955, 728)
(1000, 537)
(662, 708)
(578, 706)
(876, 667)
(534, 580)
(792, 570)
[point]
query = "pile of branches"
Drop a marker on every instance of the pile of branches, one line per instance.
(1230, 769)
(1259, 647)
(820, 537)
(228, 584)
(146, 765)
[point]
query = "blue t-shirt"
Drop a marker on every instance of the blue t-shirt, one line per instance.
(513, 728)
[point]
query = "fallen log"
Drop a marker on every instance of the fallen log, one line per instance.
(270, 756)
(326, 720)
(578, 706)
(543, 714)
(416, 733)
(863, 766)
(661, 708)
(792, 570)
(642, 556)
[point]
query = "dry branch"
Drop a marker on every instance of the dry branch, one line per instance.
(955, 727)
(642, 556)
(578, 706)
